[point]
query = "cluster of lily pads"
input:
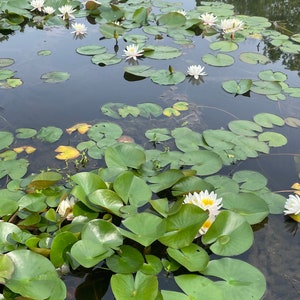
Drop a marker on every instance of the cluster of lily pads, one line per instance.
(129, 215)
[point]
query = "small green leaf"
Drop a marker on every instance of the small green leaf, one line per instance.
(91, 50)
(274, 139)
(55, 77)
(267, 120)
(25, 133)
(6, 62)
(44, 52)
(6, 138)
(269, 75)
(5, 74)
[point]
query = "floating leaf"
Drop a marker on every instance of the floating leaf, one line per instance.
(158, 134)
(27, 149)
(111, 109)
(55, 77)
(296, 38)
(269, 75)
(6, 268)
(274, 139)
(14, 82)
(148, 109)
(49, 134)
(44, 180)
(44, 52)
(5, 74)
(219, 60)
(293, 122)
(91, 50)
(293, 92)
(240, 280)
(109, 30)
(250, 180)
(225, 46)
(105, 59)
(173, 19)
(161, 52)
(104, 129)
(164, 77)
(254, 58)
(25, 133)
(266, 87)
(128, 110)
(169, 112)
(244, 127)
(6, 138)
(234, 87)
(139, 70)
(6, 62)
(267, 120)
(66, 152)
(181, 105)
(82, 128)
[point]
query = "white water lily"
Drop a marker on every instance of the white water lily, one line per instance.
(292, 205)
(231, 25)
(196, 71)
(37, 4)
(65, 208)
(49, 10)
(132, 51)
(208, 19)
(79, 29)
(205, 200)
(66, 12)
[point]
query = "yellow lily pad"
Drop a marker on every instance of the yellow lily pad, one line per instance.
(169, 111)
(295, 217)
(66, 152)
(27, 149)
(181, 105)
(296, 187)
(82, 128)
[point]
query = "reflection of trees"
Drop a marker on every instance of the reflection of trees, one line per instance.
(285, 16)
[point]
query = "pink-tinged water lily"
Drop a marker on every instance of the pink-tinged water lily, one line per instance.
(196, 71)
(292, 207)
(66, 12)
(208, 19)
(49, 10)
(132, 51)
(65, 208)
(79, 29)
(37, 4)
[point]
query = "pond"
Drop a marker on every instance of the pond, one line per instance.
(242, 117)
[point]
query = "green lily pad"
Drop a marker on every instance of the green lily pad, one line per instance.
(244, 127)
(5, 74)
(250, 180)
(44, 52)
(6, 138)
(161, 52)
(158, 134)
(55, 77)
(219, 60)
(91, 50)
(49, 134)
(267, 120)
(296, 38)
(274, 139)
(149, 109)
(240, 87)
(172, 19)
(5, 62)
(139, 70)
(266, 87)
(170, 111)
(240, 280)
(128, 110)
(269, 75)
(13, 82)
(164, 77)
(25, 133)
(111, 109)
(104, 129)
(254, 58)
(106, 59)
(293, 92)
(224, 46)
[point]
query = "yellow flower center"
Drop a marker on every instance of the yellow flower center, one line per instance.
(207, 201)
(207, 224)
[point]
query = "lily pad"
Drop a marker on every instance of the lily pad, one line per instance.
(6, 138)
(161, 52)
(139, 70)
(240, 87)
(219, 60)
(44, 52)
(105, 59)
(269, 75)
(5, 74)
(266, 87)
(254, 58)
(55, 77)
(49, 134)
(149, 109)
(5, 62)
(25, 133)
(274, 139)
(164, 77)
(91, 50)
(224, 46)
(293, 92)
(267, 120)
(244, 127)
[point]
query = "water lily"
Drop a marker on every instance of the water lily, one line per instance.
(65, 208)
(292, 207)
(182, 12)
(208, 19)
(231, 26)
(204, 228)
(205, 200)
(49, 10)
(132, 51)
(66, 12)
(79, 29)
(37, 4)
(196, 71)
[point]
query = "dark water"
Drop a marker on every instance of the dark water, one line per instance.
(36, 104)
